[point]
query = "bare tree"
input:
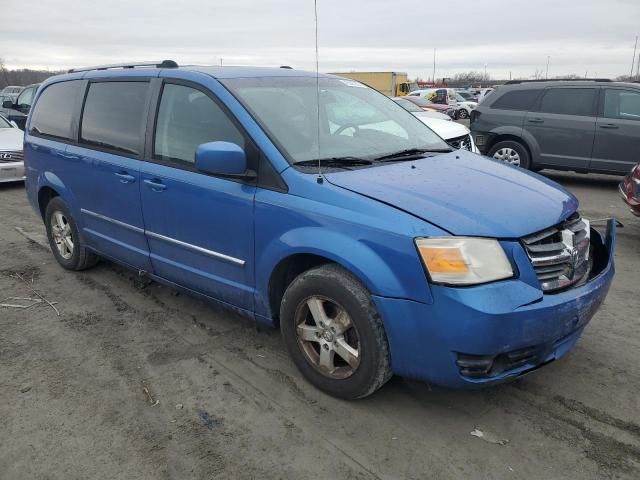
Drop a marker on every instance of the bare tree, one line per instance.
(471, 77)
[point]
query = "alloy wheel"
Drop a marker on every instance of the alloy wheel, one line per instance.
(62, 236)
(508, 155)
(327, 337)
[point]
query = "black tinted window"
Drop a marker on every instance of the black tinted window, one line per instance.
(188, 118)
(622, 104)
(53, 112)
(113, 114)
(517, 100)
(568, 101)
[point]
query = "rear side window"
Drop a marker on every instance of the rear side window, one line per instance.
(113, 114)
(187, 118)
(569, 101)
(52, 114)
(517, 100)
(622, 104)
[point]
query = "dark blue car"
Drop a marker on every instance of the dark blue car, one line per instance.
(320, 206)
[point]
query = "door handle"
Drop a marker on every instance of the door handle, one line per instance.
(155, 185)
(535, 120)
(125, 177)
(608, 125)
(69, 156)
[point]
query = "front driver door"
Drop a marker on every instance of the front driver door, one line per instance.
(199, 227)
(617, 141)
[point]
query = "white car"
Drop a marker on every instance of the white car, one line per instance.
(455, 134)
(464, 107)
(11, 156)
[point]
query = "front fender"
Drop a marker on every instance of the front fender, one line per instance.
(358, 256)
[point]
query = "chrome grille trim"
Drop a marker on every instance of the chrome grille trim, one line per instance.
(561, 255)
(8, 156)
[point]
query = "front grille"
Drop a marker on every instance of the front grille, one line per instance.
(463, 142)
(561, 255)
(11, 156)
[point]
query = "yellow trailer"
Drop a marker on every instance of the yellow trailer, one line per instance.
(393, 84)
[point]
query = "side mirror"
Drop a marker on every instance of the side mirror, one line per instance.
(223, 159)
(14, 124)
(7, 104)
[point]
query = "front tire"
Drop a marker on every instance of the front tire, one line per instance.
(511, 152)
(334, 334)
(462, 114)
(64, 238)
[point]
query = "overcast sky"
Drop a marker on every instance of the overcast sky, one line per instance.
(507, 35)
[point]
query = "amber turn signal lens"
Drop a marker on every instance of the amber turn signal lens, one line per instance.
(443, 259)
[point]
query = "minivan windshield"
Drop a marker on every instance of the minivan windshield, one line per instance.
(354, 122)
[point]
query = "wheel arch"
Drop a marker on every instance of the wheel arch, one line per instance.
(302, 249)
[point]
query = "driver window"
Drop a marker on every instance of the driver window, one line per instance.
(188, 118)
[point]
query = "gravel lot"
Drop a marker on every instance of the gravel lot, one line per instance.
(231, 405)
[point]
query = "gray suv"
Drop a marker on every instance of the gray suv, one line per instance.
(579, 125)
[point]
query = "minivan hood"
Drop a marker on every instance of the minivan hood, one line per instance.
(465, 194)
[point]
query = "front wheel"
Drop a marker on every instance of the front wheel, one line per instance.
(334, 334)
(462, 113)
(511, 152)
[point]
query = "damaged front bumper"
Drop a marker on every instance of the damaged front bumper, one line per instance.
(495, 332)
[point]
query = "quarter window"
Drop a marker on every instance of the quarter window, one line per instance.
(187, 118)
(569, 101)
(52, 114)
(517, 100)
(622, 104)
(113, 116)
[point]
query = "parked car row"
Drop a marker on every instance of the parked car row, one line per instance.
(460, 106)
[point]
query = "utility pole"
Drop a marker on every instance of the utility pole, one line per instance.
(433, 79)
(633, 59)
(546, 75)
(638, 67)
(220, 61)
(485, 72)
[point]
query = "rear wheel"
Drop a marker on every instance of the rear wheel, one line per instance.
(64, 238)
(334, 334)
(511, 152)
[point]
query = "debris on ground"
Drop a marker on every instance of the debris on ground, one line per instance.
(488, 437)
(145, 389)
(25, 389)
(179, 406)
(52, 305)
(210, 421)
(20, 302)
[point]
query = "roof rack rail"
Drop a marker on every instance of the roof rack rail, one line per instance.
(158, 64)
(515, 82)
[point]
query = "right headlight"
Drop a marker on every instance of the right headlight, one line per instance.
(464, 260)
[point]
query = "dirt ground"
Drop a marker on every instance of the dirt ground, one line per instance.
(225, 402)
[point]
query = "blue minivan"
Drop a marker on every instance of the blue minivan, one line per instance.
(318, 205)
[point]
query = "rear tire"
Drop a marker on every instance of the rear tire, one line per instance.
(334, 334)
(64, 238)
(511, 152)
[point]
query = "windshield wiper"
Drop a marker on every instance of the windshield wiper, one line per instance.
(339, 162)
(411, 152)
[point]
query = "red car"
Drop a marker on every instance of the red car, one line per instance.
(425, 104)
(630, 190)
